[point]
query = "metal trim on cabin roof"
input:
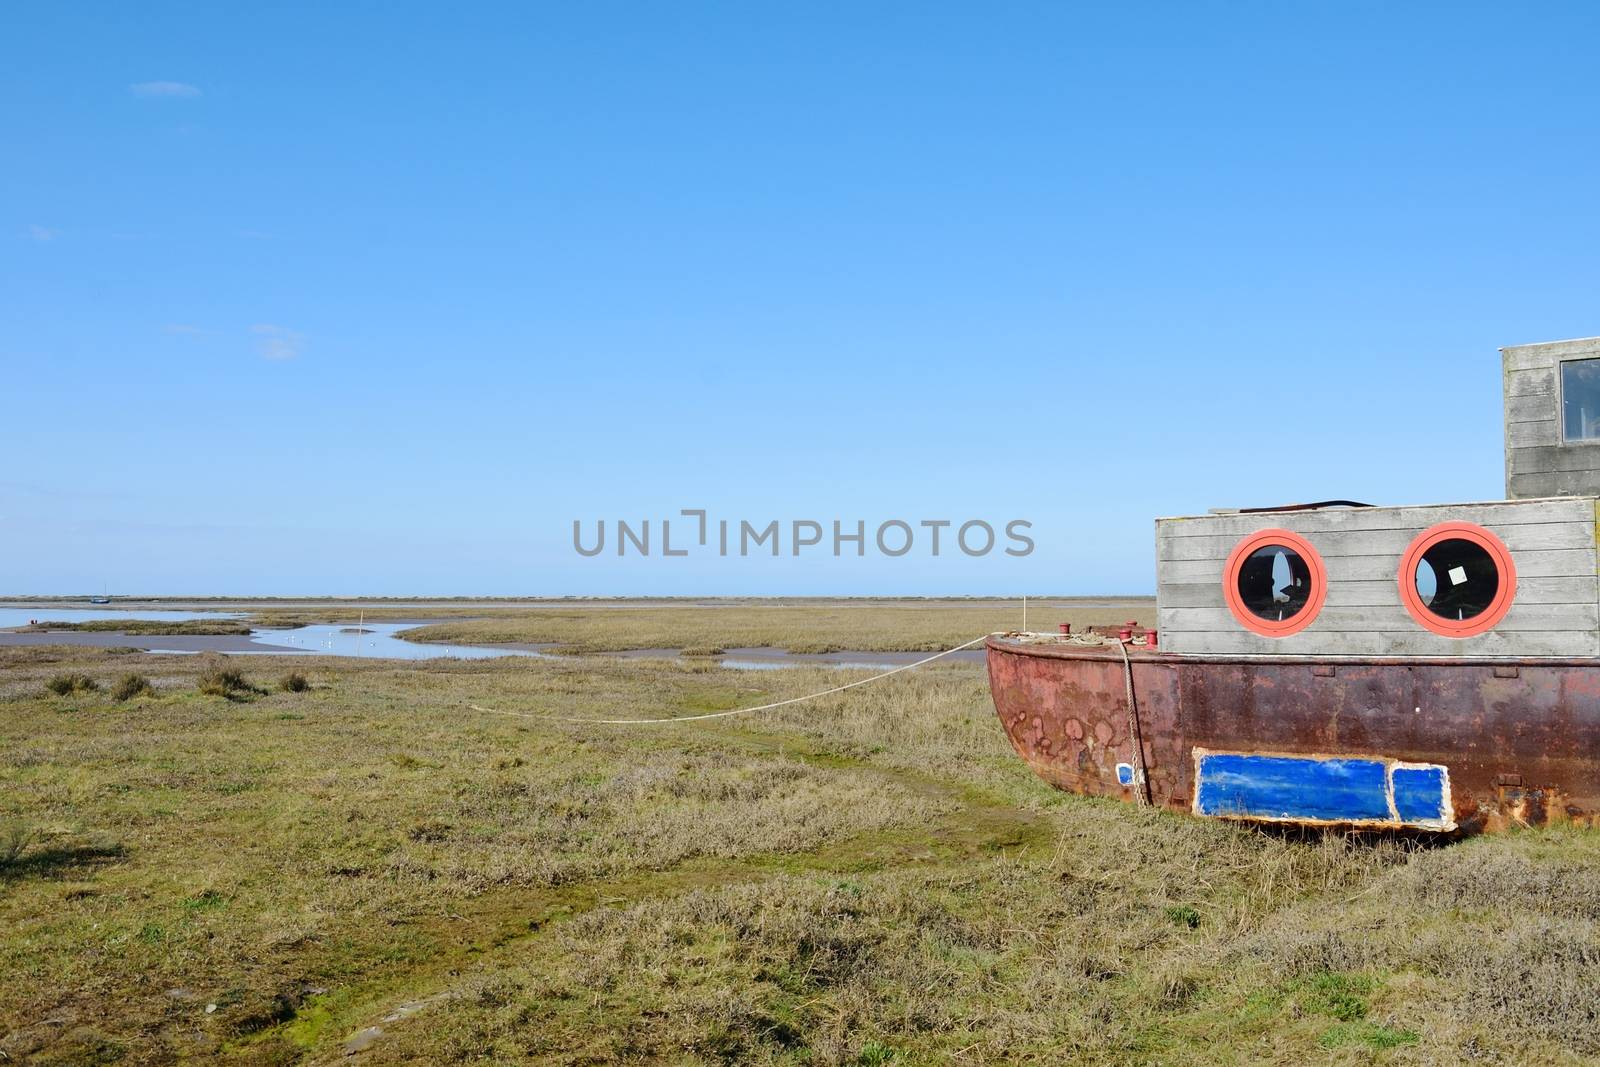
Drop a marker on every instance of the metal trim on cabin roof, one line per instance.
(1405, 507)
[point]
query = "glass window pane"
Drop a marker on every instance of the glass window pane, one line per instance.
(1580, 399)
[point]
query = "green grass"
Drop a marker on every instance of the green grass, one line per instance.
(873, 877)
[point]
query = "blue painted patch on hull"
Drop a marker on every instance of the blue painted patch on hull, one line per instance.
(1285, 787)
(1420, 794)
(1321, 789)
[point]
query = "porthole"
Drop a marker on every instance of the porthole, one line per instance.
(1274, 583)
(1457, 579)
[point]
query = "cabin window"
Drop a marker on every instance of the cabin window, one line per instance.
(1274, 583)
(1580, 400)
(1457, 579)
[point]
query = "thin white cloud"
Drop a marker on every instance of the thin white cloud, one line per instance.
(41, 233)
(164, 90)
(278, 342)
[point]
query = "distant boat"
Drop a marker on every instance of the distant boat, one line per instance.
(99, 600)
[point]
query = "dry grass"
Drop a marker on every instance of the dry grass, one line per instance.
(149, 627)
(218, 679)
(870, 878)
(130, 686)
(70, 684)
(799, 626)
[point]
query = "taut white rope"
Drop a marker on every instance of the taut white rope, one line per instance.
(736, 711)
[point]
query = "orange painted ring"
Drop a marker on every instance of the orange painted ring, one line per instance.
(1489, 617)
(1281, 539)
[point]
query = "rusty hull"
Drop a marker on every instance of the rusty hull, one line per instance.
(1521, 738)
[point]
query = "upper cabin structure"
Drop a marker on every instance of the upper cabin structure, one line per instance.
(1517, 578)
(1552, 419)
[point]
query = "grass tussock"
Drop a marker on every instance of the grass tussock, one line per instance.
(130, 686)
(71, 684)
(14, 838)
(294, 682)
(220, 680)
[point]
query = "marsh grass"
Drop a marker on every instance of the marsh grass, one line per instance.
(14, 838)
(220, 680)
(294, 682)
(130, 686)
(70, 684)
(871, 877)
(150, 627)
(798, 626)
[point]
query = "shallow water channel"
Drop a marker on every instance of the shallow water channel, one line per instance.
(379, 640)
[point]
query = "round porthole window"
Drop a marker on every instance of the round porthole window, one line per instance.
(1457, 579)
(1274, 583)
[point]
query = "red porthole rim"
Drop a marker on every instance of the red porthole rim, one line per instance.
(1485, 620)
(1283, 539)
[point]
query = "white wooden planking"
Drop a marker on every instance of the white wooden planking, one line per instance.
(1556, 611)
(1412, 517)
(1531, 383)
(1532, 357)
(1538, 461)
(1557, 482)
(1393, 543)
(1536, 408)
(1344, 592)
(1531, 434)
(1556, 458)
(1558, 563)
(1527, 357)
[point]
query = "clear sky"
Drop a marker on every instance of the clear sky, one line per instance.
(379, 298)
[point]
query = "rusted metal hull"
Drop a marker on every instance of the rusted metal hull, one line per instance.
(1519, 740)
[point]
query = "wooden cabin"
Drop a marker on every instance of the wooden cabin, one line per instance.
(1512, 578)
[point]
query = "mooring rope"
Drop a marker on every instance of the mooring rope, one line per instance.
(1135, 733)
(736, 711)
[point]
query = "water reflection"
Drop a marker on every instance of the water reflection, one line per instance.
(378, 641)
(10, 617)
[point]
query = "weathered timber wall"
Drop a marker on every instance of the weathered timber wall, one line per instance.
(1539, 463)
(1556, 611)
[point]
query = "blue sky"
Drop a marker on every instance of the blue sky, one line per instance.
(379, 298)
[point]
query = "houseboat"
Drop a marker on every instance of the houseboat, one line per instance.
(1432, 667)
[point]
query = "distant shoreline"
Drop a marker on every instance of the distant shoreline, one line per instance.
(490, 601)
